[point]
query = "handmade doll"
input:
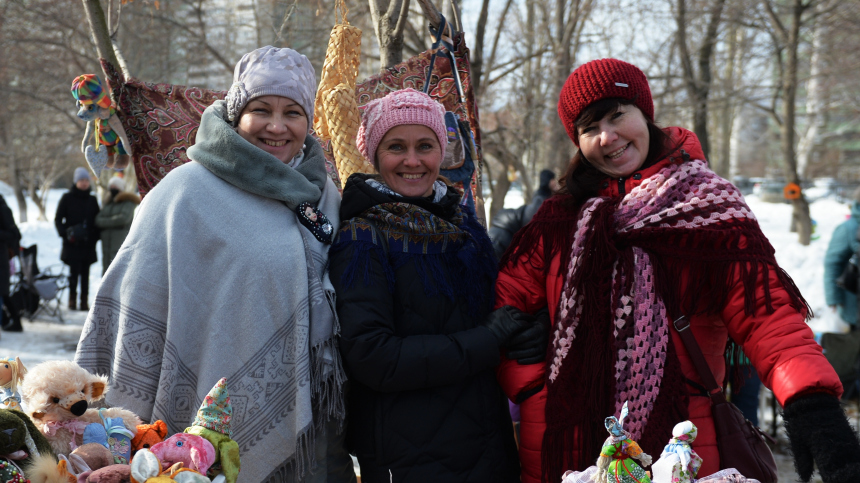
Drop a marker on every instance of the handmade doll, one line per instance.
(678, 463)
(213, 422)
(615, 463)
(12, 372)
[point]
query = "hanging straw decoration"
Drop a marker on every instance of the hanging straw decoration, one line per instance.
(336, 115)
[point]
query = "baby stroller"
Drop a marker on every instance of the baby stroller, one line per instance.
(35, 291)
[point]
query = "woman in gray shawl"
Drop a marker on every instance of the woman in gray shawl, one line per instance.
(223, 274)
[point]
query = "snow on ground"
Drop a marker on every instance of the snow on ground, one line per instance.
(46, 338)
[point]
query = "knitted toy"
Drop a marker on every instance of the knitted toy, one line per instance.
(678, 463)
(95, 107)
(113, 435)
(57, 395)
(148, 435)
(12, 372)
(146, 468)
(615, 463)
(213, 423)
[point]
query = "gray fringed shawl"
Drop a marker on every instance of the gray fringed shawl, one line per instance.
(217, 281)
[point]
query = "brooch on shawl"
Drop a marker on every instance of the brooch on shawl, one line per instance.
(315, 220)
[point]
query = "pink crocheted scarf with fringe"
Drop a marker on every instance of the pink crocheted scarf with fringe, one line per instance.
(611, 342)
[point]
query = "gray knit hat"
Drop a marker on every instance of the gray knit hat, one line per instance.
(271, 71)
(81, 173)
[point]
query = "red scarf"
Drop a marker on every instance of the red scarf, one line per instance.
(624, 256)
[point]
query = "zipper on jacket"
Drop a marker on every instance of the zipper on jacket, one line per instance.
(621, 190)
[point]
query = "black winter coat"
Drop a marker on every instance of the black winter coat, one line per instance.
(509, 221)
(10, 239)
(78, 207)
(423, 401)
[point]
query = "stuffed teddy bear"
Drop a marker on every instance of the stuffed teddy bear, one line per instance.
(146, 468)
(95, 107)
(12, 372)
(58, 395)
(148, 435)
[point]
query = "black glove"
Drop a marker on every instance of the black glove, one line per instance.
(819, 431)
(529, 345)
(505, 321)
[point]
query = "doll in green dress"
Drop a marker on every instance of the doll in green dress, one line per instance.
(616, 462)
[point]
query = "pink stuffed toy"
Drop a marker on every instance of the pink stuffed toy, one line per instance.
(192, 451)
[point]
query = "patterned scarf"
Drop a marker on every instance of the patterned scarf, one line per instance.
(612, 341)
(438, 237)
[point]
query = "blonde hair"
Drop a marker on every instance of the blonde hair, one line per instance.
(18, 372)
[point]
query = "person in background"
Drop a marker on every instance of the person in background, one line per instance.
(642, 237)
(843, 244)
(76, 224)
(10, 239)
(508, 222)
(115, 219)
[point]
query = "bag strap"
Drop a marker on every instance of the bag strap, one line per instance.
(682, 325)
(439, 43)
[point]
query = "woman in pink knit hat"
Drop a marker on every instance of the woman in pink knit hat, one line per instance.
(414, 273)
(642, 234)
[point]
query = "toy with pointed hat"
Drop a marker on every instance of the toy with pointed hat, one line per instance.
(213, 422)
(616, 462)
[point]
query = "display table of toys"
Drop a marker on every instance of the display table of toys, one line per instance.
(54, 434)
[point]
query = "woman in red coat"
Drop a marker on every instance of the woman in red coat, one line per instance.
(642, 233)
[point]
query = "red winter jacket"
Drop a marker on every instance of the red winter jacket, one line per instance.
(780, 345)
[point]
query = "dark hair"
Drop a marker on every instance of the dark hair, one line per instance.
(582, 180)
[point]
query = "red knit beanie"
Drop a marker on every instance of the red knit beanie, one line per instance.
(602, 79)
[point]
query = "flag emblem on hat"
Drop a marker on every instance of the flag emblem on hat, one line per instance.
(621, 84)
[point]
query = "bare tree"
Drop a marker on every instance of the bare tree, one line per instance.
(389, 20)
(787, 37)
(698, 81)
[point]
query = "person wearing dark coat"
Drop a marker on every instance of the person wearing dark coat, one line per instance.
(10, 238)
(413, 271)
(114, 220)
(509, 221)
(76, 224)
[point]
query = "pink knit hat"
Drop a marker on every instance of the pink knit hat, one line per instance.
(406, 106)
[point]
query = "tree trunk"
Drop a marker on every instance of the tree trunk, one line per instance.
(699, 85)
(388, 23)
(723, 164)
(17, 185)
(803, 222)
(814, 101)
(99, 30)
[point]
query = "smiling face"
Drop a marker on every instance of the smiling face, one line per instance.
(616, 144)
(275, 124)
(408, 159)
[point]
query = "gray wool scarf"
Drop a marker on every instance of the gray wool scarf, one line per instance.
(216, 279)
(224, 152)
